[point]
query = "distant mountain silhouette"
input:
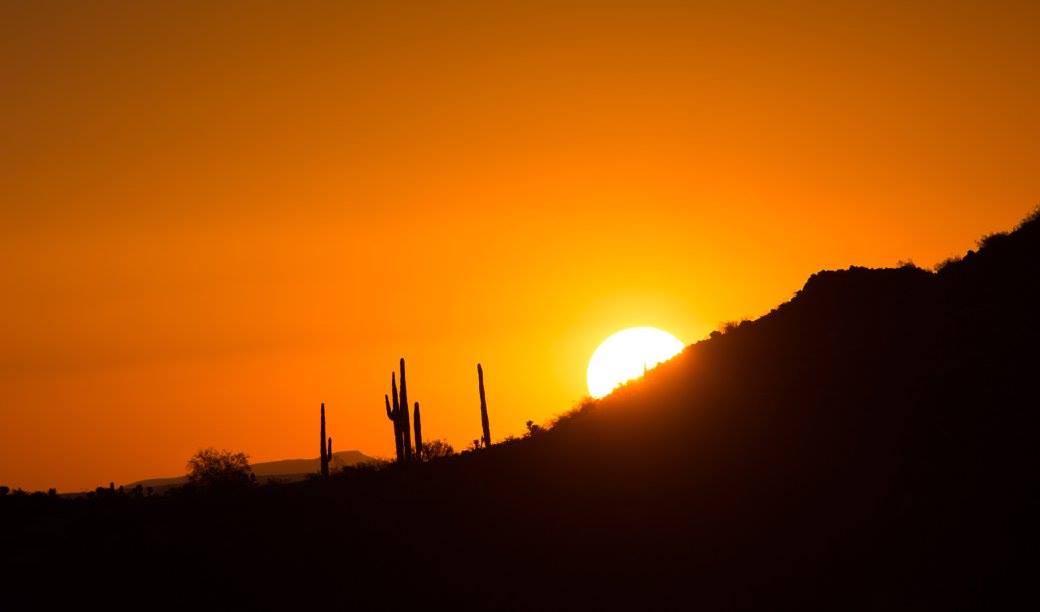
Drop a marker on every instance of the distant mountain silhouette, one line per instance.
(286, 470)
(868, 445)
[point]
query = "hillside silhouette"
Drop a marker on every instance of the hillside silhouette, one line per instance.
(867, 445)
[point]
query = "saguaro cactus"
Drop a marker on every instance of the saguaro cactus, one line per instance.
(418, 434)
(406, 433)
(483, 409)
(398, 415)
(325, 452)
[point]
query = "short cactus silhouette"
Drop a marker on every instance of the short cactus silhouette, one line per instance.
(326, 452)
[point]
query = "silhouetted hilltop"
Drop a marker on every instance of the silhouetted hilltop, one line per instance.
(869, 444)
(283, 470)
(887, 416)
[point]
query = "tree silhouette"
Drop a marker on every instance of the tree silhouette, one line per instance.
(211, 467)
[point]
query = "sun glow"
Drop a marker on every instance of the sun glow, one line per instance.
(627, 355)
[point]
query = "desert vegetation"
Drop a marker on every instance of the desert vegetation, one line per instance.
(210, 467)
(396, 406)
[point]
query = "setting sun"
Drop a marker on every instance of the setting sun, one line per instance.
(626, 355)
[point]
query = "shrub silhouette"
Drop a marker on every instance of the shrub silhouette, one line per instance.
(436, 449)
(210, 467)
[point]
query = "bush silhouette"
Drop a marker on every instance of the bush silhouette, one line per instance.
(436, 449)
(210, 467)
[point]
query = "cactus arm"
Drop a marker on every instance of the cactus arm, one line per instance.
(396, 414)
(418, 434)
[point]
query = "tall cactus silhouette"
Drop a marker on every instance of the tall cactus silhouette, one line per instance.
(418, 434)
(406, 434)
(325, 452)
(398, 415)
(483, 409)
(396, 406)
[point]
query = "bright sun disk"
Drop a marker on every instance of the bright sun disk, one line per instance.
(627, 355)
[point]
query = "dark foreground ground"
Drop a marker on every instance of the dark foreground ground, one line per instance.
(870, 445)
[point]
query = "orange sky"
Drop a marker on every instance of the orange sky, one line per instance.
(213, 220)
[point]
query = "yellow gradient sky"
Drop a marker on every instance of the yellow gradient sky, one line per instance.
(214, 219)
